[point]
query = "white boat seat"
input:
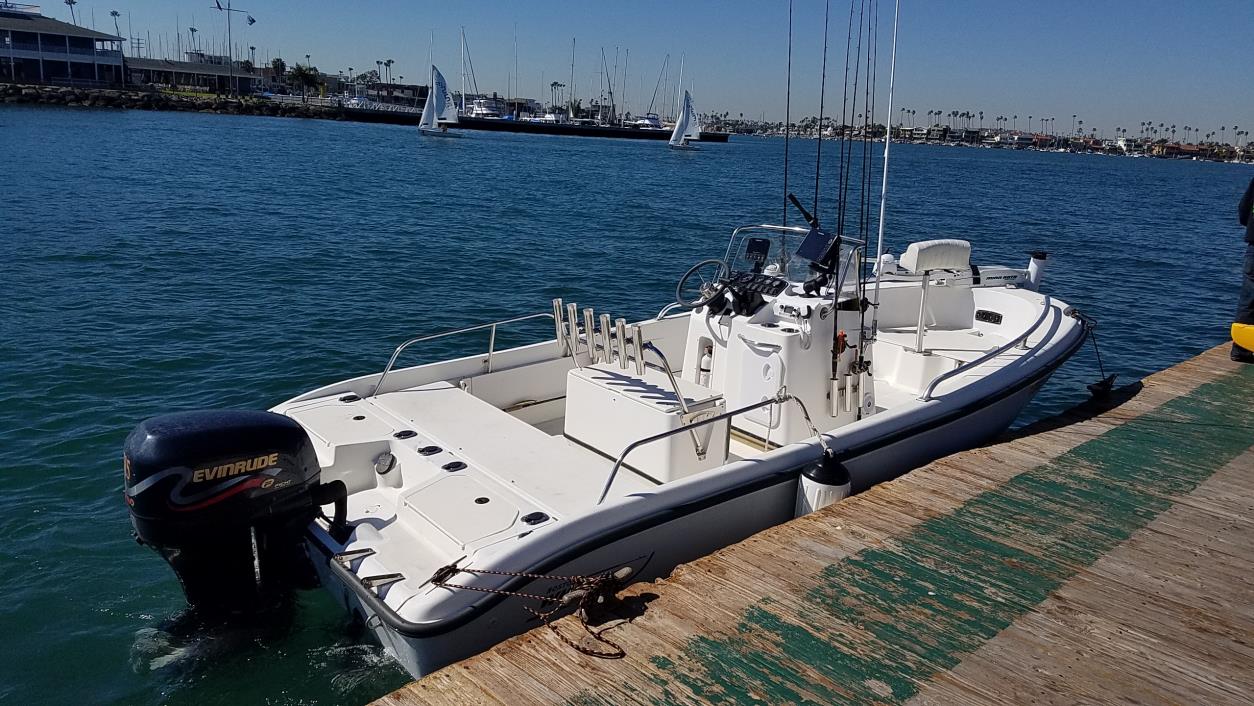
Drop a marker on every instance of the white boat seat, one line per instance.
(945, 254)
(506, 448)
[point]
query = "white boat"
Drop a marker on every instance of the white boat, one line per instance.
(687, 127)
(451, 505)
(650, 121)
(486, 108)
(434, 494)
(439, 112)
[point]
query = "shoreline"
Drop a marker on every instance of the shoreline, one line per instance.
(23, 94)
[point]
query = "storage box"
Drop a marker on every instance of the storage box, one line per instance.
(608, 408)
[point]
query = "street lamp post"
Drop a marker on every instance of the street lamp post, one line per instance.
(230, 49)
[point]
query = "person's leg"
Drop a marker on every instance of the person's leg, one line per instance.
(1245, 303)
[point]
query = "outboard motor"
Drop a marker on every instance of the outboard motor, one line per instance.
(224, 497)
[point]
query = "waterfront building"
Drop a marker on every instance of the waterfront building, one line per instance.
(39, 49)
(205, 73)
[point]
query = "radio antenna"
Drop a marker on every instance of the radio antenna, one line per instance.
(787, 122)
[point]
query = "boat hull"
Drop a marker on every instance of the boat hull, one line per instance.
(654, 545)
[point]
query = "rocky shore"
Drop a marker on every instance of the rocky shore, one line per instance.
(146, 100)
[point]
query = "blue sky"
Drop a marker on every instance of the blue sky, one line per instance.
(1112, 62)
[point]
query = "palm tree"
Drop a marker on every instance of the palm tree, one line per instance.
(279, 67)
(388, 63)
(303, 76)
(981, 120)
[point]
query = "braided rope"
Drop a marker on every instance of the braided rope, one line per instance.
(591, 590)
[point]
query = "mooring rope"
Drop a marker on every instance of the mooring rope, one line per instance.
(589, 590)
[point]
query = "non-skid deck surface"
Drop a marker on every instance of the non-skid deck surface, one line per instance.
(1100, 556)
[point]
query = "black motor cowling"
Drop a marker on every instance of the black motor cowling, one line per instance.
(224, 497)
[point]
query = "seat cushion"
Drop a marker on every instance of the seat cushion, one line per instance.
(947, 254)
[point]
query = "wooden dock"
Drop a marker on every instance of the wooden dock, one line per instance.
(1102, 556)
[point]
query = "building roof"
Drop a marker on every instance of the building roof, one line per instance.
(185, 67)
(17, 21)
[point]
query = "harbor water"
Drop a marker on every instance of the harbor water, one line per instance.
(162, 261)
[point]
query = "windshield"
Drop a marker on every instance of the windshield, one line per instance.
(774, 249)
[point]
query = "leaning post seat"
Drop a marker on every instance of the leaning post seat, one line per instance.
(922, 258)
(946, 254)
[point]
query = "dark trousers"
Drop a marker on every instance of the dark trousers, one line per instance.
(1245, 303)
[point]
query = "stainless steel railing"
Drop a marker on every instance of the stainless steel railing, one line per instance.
(931, 387)
(491, 342)
(692, 426)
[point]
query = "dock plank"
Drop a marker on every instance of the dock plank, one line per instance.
(1099, 556)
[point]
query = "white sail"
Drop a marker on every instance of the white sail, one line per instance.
(692, 130)
(681, 124)
(447, 111)
(428, 109)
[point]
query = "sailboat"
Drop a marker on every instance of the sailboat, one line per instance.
(451, 505)
(687, 127)
(439, 112)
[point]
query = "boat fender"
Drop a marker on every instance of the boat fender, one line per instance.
(822, 484)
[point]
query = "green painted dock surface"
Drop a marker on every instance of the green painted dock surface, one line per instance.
(1105, 555)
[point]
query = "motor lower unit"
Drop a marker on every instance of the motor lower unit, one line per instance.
(224, 497)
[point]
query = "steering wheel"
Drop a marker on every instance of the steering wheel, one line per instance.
(701, 283)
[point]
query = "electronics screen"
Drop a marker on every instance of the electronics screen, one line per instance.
(815, 246)
(756, 251)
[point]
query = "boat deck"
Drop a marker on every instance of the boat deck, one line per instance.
(1099, 556)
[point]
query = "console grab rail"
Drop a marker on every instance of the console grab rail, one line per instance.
(479, 327)
(779, 398)
(927, 394)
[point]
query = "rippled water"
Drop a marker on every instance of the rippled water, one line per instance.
(155, 262)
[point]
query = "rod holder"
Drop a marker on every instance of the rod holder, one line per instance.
(572, 330)
(620, 330)
(587, 334)
(637, 340)
(558, 327)
(607, 352)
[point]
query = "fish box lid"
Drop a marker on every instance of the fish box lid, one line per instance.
(653, 389)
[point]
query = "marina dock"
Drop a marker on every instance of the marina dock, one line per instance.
(1101, 555)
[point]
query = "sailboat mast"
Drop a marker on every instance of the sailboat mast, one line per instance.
(626, 59)
(888, 140)
(570, 103)
(517, 89)
(463, 57)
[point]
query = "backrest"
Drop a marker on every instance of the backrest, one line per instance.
(945, 254)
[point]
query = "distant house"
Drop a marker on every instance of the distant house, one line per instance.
(38, 49)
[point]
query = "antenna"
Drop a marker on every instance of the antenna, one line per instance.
(787, 125)
(888, 140)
